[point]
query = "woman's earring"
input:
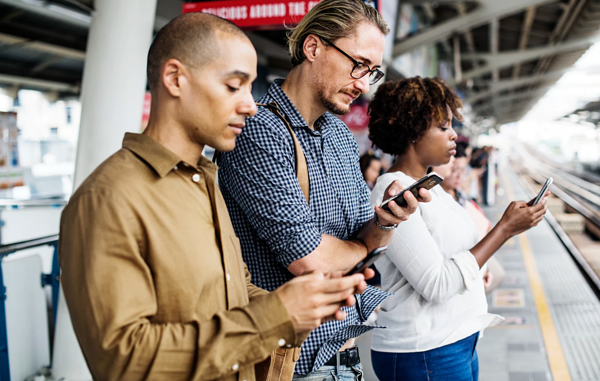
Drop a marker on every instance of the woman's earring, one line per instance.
(414, 141)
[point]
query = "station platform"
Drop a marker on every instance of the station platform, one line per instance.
(552, 326)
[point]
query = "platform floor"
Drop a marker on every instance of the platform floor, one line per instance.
(552, 326)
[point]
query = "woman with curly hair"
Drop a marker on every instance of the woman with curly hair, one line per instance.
(433, 263)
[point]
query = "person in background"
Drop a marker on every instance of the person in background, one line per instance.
(151, 267)
(433, 263)
(371, 168)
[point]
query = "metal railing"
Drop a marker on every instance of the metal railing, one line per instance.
(573, 197)
(52, 279)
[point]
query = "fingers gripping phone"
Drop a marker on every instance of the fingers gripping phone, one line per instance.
(426, 182)
(543, 191)
(368, 261)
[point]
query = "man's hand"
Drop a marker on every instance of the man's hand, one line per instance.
(315, 298)
(400, 214)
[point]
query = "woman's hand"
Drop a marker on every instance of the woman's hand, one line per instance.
(397, 213)
(520, 217)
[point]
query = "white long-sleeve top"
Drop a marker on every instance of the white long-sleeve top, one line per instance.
(439, 297)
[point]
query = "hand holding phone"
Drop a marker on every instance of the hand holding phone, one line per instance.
(427, 182)
(368, 261)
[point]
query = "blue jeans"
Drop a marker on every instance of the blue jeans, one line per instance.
(455, 362)
(328, 373)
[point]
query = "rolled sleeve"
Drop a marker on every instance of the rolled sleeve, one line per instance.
(260, 176)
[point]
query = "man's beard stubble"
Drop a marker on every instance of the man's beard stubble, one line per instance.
(331, 106)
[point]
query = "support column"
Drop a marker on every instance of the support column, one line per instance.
(114, 82)
(114, 79)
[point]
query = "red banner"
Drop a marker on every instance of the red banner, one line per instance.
(255, 13)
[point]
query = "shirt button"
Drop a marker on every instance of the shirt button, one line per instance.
(281, 342)
(196, 178)
(235, 367)
(228, 276)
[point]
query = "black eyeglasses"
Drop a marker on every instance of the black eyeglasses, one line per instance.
(360, 69)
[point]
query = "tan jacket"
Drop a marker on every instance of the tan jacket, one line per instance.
(153, 275)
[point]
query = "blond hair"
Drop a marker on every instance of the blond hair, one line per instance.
(332, 19)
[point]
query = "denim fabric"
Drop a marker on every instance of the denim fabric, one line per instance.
(328, 373)
(453, 362)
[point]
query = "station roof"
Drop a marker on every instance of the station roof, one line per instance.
(507, 53)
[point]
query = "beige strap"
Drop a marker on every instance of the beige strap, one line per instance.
(300, 159)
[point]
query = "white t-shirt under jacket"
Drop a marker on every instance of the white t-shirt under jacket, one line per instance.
(438, 290)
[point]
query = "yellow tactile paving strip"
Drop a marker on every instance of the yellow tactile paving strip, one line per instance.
(556, 357)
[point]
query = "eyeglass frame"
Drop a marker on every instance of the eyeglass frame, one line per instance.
(356, 64)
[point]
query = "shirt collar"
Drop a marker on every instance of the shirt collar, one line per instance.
(158, 156)
(152, 152)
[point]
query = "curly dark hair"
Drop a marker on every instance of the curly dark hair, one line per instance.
(402, 111)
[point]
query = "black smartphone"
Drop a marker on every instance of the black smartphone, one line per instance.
(368, 261)
(543, 191)
(426, 182)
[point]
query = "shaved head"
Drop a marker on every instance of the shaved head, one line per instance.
(192, 39)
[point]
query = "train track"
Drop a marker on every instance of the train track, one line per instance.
(581, 195)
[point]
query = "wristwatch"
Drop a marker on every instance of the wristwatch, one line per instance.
(382, 227)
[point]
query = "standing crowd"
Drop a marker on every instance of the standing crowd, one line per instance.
(173, 270)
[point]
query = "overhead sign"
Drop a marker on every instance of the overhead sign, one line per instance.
(258, 13)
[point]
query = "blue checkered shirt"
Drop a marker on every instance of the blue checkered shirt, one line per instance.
(275, 224)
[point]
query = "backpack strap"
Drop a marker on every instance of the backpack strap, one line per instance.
(300, 159)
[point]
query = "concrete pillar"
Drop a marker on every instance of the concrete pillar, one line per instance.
(114, 82)
(114, 79)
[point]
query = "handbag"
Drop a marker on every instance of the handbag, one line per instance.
(282, 362)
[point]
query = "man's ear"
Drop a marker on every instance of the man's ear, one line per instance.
(173, 76)
(312, 47)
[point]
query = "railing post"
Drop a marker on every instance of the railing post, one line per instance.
(4, 365)
(55, 282)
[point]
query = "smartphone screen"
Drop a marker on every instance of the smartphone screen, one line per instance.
(426, 182)
(368, 261)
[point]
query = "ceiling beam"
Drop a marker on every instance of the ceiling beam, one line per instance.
(38, 83)
(529, 17)
(507, 59)
(43, 47)
(70, 16)
(509, 84)
(486, 11)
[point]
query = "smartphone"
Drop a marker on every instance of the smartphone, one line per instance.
(368, 261)
(540, 195)
(426, 182)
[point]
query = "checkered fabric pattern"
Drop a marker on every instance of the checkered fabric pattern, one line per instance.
(272, 219)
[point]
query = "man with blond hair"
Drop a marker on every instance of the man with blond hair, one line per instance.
(286, 230)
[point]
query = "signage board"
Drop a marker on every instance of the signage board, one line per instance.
(258, 13)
